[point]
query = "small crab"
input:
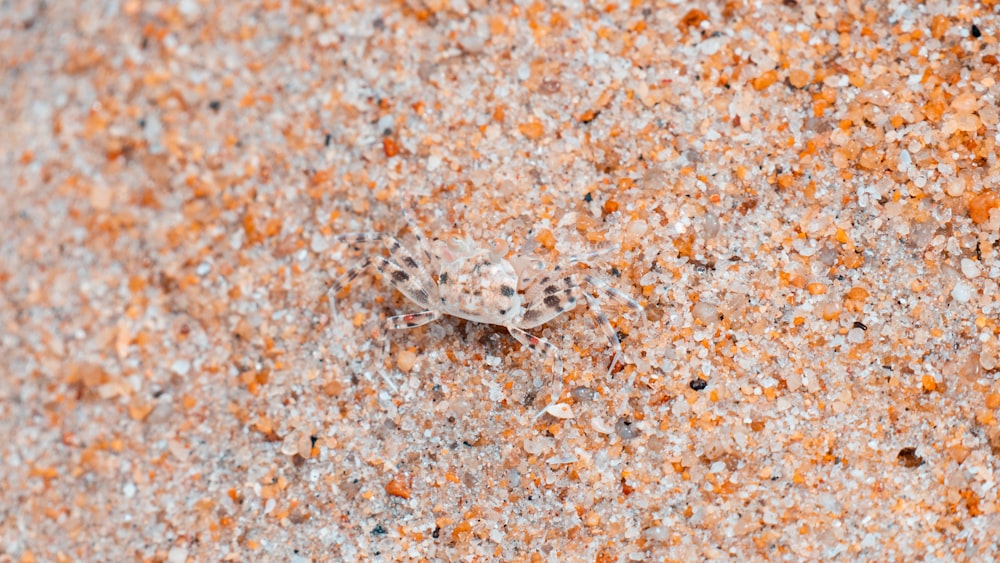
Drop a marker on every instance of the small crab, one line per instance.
(482, 285)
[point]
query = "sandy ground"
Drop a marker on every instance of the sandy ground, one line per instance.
(804, 197)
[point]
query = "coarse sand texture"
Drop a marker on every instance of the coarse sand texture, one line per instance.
(786, 212)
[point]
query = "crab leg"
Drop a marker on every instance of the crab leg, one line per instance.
(602, 323)
(413, 320)
(548, 350)
(395, 274)
(349, 276)
(399, 256)
(615, 294)
(430, 254)
(542, 308)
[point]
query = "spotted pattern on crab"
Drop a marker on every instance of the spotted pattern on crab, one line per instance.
(482, 285)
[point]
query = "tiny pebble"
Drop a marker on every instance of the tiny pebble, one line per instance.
(626, 429)
(398, 487)
(962, 292)
(955, 187)
(473, 42)
(657, 533)
(433, 162)
(560, 410)
(705, 313)
(600, 426)
(967, 122)
(970, 268)
(177, 555)
(538, 445)
(290, 444)
(637, 228)
(180, 367)
(711, 226)
(318, 243)
(581, 394)
(562, 459)
(188, 8)
(856, 335)
(406, 360)
(965, 102)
